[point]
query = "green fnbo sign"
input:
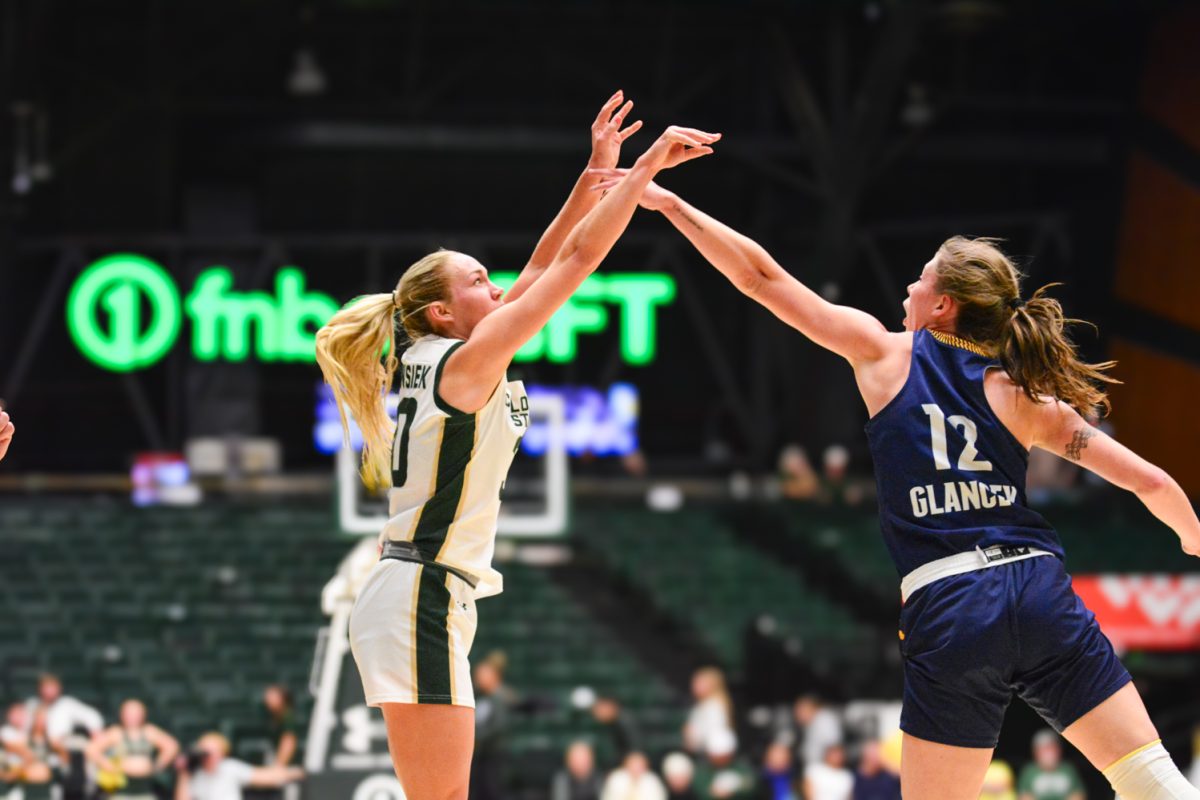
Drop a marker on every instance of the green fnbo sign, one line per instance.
(124, 313)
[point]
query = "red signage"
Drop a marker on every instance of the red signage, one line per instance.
(1145, 612)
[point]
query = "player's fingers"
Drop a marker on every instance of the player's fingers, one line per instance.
(607, 109)
(4, 418)
(631, 130)
(678, 137)
(619, 118)
(696, 152)
(689, 135)
(7, 432)
(705, 135)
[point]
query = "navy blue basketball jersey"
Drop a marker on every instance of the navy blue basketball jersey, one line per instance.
(951, 477)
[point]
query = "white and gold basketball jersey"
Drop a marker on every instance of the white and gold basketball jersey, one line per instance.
(448, 466)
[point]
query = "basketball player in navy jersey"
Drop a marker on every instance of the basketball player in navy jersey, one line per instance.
(979, 376)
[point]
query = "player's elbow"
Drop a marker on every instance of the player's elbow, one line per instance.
(752, 281)
(1153, 481)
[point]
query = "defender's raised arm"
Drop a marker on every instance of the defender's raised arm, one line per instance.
(849, 332)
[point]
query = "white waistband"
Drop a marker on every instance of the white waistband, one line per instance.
(969, 561)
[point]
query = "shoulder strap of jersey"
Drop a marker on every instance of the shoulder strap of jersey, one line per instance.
(434, 350)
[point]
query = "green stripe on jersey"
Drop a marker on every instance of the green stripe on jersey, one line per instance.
(433, 638)
(458, 440)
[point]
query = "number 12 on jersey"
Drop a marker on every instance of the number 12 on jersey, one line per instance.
(967, 460)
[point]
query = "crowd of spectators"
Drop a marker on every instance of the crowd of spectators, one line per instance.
(804, 756)
(56, 747)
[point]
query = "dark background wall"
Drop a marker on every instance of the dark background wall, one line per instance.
(858, 136)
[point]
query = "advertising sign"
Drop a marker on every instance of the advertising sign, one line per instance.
(1145, 612)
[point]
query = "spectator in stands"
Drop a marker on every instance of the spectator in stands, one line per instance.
(10, 770)
(998, 782)
(494, 703)
(817, 728)
(712, 711)
(1049, 777)
(131, 753)
(212, 775)
(678, 773)
(7, 429)
(634, 781)
(15, 731)
(39, 764)
(829, 779)
(14, 742)
(64, 714)
(622, 730)
(778, 773)
(798, 479)
(872, 781)
(838, 486)
(281, 723)
(578, 779)
(1049, 477)
(722, 775)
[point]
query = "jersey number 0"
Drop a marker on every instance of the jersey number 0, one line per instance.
(408, 410)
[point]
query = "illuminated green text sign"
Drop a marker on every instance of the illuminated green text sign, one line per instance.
(635, 295)
(124, 313)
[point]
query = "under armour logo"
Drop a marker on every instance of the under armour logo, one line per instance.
(361, 729)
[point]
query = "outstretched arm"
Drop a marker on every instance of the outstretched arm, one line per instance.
(607, 137)
(1062, 431)
(473, 370)
(853, 334)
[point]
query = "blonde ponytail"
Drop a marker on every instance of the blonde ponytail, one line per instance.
(350, 351)
(1028, 337)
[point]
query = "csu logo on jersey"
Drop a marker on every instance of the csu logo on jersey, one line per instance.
(518, 412)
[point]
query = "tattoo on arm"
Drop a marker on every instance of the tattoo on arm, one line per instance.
(1078, 443)
(684, 214)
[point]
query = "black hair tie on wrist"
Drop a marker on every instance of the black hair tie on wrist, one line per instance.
(1016, 303)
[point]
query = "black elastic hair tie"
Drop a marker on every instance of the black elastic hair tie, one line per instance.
(1016, 303)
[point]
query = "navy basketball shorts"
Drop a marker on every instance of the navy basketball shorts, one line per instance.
(970, 642)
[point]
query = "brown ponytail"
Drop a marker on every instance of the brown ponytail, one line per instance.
(1028, 337)
(350, 352)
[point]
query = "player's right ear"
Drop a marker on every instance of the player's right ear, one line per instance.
(440, 313)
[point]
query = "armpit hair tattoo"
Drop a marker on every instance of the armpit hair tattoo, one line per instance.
(1078, 443)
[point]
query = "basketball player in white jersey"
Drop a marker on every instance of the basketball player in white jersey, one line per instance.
(459, 423)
